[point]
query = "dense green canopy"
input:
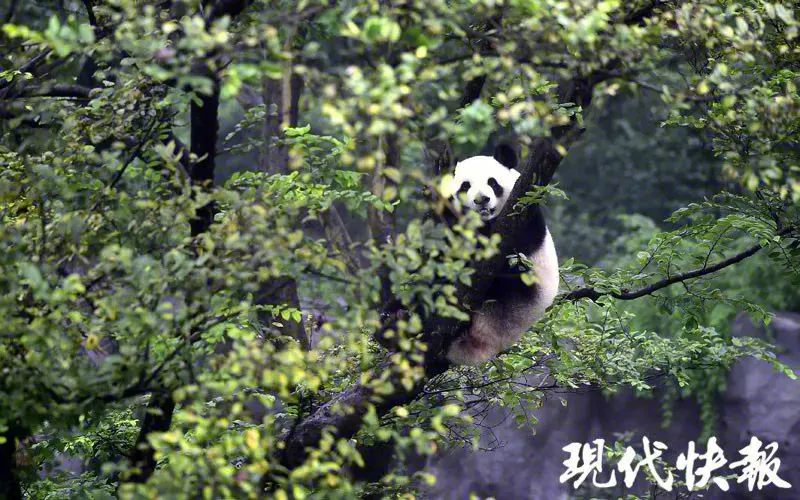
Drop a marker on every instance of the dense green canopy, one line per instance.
(225, 264)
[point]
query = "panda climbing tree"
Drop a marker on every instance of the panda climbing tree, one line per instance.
(227, 268)
(483, 184)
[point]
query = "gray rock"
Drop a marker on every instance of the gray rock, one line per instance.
(758, 401)
(526, 465)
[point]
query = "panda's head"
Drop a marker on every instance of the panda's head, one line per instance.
(483, 183)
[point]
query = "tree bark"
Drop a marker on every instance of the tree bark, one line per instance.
(157, 419)
(284, 97)
(10, 487)
(204, 123)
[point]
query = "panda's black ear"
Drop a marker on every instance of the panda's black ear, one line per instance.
(506, 155)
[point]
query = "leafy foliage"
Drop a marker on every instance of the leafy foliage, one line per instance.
(178, 336)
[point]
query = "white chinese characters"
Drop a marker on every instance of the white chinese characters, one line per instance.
(759, 468)
(699, 467)
(584, 460)
(759, 465)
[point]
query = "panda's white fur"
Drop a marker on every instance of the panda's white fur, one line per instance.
(511, 307)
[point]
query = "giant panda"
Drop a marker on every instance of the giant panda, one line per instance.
(483, 184)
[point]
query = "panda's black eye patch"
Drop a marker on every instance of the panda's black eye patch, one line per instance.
(496, 187)
(464, 187)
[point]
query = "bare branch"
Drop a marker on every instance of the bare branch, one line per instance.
(56, 90)
(90, 13)
(339, 237)
(591, 293)
(29, 65)
(12, 9)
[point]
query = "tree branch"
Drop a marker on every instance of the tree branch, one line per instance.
(56, 90)
(12, 9)
(339, 237)
(84, 92)
(593, 294)
(708, 98)
(158, 418)
(472, 92)
(28, 66)
(90, 13)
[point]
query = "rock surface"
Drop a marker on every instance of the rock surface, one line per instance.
(758, 401)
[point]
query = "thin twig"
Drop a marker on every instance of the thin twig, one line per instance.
(128, 161)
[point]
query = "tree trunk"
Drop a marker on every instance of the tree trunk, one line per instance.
(9, 482)
(281, 99)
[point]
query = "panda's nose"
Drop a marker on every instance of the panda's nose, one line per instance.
(481, 200)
